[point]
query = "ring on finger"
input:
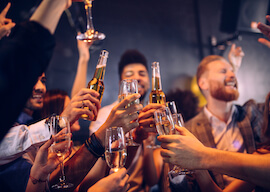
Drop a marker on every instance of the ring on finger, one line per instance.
(83, 105)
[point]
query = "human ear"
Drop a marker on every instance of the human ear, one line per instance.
(203, 83)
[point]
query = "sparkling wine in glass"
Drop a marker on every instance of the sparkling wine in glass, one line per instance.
(115, 148)
(129, 87)
(60, 131)
(90, 34)
(164, 121)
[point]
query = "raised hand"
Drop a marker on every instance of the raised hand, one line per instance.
(121, 116)
(5, 24)
(235, 56)
(265, 29)
(184, 150)
(116, 182)
(146, 119)
(45, 162)
(83, 48)
(84, 98)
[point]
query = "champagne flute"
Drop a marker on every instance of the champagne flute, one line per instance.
(115, 148)
(164, 121)
(129, 87)
(171, 105)
(60, 131)
(179, 121)
(90, 34)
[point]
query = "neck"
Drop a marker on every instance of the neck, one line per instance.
(28, 111)
(221, 109)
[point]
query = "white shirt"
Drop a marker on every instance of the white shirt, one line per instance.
(102, 116)
(227, 135)
(21, 139)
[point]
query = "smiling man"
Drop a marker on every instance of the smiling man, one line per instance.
(34, 103)
(132, 65)
(222, 124)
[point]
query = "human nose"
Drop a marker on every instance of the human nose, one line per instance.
(40, 86)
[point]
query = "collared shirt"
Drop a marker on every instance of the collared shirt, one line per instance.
(227, 135)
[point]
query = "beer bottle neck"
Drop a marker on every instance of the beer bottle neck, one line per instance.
(156, 80)
(101, 66)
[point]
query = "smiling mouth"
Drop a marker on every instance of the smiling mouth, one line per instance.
(231, 84)
(37, 96)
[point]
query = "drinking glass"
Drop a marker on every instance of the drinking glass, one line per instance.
(115, 148)
(60, 131)
(90, 34)
(129, 87)
(164, 121)
(171, 105)
(179, 121)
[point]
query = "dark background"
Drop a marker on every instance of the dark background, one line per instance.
(174, 32)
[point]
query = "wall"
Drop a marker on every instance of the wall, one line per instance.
(165, 31)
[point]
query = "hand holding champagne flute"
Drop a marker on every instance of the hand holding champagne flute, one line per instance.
(129, 87)
(115, 148)
(60, 131)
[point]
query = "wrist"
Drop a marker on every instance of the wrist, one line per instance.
(208, 158)
(38, 175)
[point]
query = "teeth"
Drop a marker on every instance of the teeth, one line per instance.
(230, 83)
(37, 96)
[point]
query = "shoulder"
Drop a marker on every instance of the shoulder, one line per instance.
(200, 117)
(251, 107)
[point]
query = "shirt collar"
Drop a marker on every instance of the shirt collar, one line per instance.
(211, 117)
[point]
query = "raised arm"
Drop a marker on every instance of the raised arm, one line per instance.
(32, 43)
(235, 57)
(265, 29)
(187, 151)
(82, 161)
(49, 12)
(5, 24)
(84, 56)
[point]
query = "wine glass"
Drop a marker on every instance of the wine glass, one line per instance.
(129, 87)
(60, 131)
(90, 34)
(171, 105)
(115, 148)
(164, 121)
(179, 121)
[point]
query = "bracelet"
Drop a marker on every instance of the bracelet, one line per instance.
(94, 146)
(35, 181)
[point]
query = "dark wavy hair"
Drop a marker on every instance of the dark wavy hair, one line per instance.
(54, 101)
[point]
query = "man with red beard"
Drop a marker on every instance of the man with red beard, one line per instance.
(222, 124)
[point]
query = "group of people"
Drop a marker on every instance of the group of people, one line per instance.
(226, 145)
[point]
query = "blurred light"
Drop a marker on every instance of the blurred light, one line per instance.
(253, 25)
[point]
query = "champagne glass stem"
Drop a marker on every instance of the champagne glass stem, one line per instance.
(88, 8)
(62, 177)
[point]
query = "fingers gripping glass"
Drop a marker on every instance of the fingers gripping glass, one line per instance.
(179, 121)
(129, 87)
(60, 131)
(115, 148)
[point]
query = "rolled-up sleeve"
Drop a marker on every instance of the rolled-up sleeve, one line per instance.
(21, 139)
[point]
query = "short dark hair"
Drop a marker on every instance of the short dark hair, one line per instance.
(131, 56)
